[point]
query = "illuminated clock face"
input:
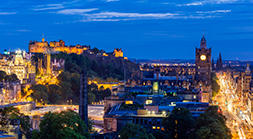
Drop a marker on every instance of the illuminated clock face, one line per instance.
(203, 57)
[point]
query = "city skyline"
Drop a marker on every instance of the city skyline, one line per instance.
(143, 29)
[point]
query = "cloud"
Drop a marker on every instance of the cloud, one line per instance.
(131, 15)
(111, 0)
(215, 11)
(7, 13)
(204, 2)
(99, 20)
(117, 16)
(23, 30)
(76, 11)
(48, 7)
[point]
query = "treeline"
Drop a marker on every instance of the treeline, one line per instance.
(214, 84)
(181, 125)
(63, 125)
(67, 91)
(97, 66)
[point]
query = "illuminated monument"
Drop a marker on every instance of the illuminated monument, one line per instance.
(83, 103)
(48, 64)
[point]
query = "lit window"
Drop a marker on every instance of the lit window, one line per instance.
(128, 102)
(148, 102)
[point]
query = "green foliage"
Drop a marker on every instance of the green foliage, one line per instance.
(67, 89)
(91, 98)
(2, 75)
(179, 124)
(96, 94)
(8, 78)
(64, 125)
(40, 93)
(35, 134)
(215, 85)
(10, 113)
(135, 132)
(6, 114)
(212, 125)
(54, 94)
(134, 106)
(102, 67)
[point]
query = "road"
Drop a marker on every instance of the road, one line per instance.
(232, 108)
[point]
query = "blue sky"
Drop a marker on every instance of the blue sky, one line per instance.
(154, 29)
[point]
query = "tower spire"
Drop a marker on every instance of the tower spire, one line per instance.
(203, 42)
(219, 64)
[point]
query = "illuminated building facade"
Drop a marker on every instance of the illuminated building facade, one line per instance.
(59, 46)
(48, 64)
(250, 105)
(42, 47)
(9, 92)
(118, 52)
(18, 63)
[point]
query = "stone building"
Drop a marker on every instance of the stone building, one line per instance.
(203, 62)
(10, 92)
(54, 46)
(18, 63)
(118, 52)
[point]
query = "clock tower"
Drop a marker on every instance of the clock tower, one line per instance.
(203, 63)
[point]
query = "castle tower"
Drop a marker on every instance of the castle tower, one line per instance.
(83, 104)
(203, 62)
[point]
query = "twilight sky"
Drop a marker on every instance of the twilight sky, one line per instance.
(154, 29)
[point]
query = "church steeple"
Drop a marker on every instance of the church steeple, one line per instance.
(219, 64)
(203, 42)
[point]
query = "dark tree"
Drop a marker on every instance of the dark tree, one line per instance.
(2, 75)
(135, 132)
(64, 125)
(9, 114)
(179, 124)
(212, 125)
(40, 93)
(215, 85)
